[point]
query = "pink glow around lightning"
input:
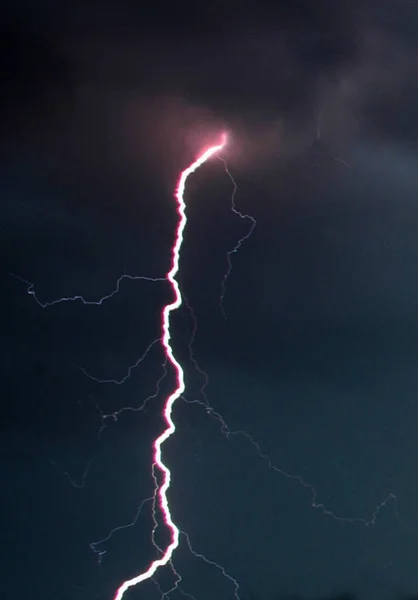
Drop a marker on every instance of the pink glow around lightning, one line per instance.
(180, 387)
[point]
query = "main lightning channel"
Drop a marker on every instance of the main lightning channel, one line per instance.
(180, 387)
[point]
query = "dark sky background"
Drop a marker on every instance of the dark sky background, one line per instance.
(102, 104)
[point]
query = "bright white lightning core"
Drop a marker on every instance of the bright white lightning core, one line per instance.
(180, 387)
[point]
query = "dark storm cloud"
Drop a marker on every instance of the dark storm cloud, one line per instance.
(103, 107)
(258, 70)
(35, 81)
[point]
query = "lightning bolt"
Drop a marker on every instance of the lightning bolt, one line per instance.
(31, 291)
(180, 387)
(161, 490)
(243, 217)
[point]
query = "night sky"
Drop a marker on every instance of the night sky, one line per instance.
(102, 105)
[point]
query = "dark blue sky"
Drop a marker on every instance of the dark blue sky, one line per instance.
(102, 106)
